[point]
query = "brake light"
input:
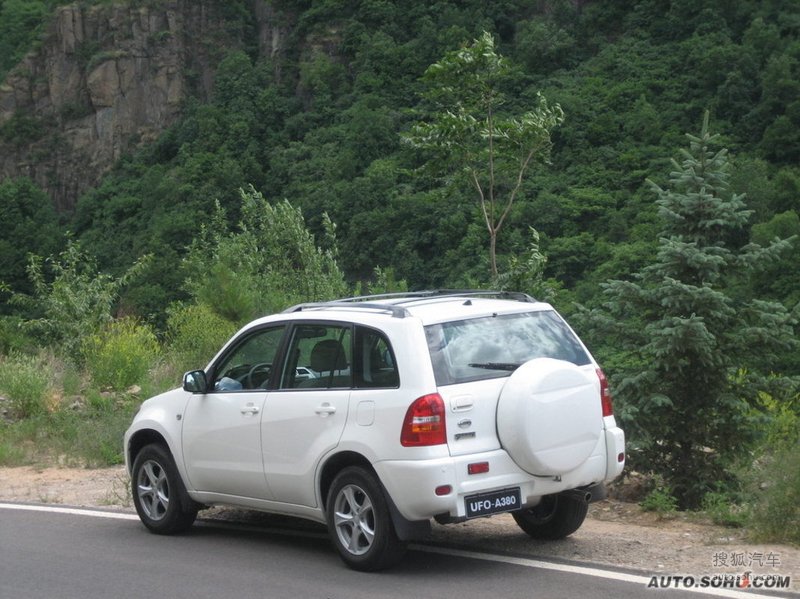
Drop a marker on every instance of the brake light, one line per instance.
(605, 394)
(424, 422)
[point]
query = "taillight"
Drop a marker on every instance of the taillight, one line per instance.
(424, 422)
(605, 394)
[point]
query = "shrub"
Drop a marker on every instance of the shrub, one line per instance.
(27, 382)
(195, 333)
(269, 262)
(121, 354)
(74, 299)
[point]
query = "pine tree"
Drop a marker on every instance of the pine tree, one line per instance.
(682, 336)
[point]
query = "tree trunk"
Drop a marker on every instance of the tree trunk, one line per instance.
(493, 253)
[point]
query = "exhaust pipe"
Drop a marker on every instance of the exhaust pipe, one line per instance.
(588, 495)
(579, 494)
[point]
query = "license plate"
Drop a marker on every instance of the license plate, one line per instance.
(495, 502)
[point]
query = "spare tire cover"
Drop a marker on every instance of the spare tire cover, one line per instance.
(549, 416)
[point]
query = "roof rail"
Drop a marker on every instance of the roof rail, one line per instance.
(395, 311)
(396, 308)
(432, 293)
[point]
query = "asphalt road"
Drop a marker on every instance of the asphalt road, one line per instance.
(45, 555)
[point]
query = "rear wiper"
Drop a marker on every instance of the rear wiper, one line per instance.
(510, 366)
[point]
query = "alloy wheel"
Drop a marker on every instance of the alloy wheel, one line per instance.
(354, 519)
(152, 488)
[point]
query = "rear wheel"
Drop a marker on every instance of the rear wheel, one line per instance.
(359, 522)
(158, 492)
(555, 517)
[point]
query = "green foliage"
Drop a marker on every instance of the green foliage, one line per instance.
(72, 298)
(297, 124)
(722, 508)
(121, 354)
(683, 335)
(30, 225)
(195, 333)
(660, 500)
(13, 337)
(270, 262)
(386, 282)
(776, 514)
(317, 120)
(20, 22)
(21, 129)
(11, 454)
(26, 381)
(490, 150)
(525, 273)
(86, 439)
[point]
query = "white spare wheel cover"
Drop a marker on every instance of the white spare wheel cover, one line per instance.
(549, 416)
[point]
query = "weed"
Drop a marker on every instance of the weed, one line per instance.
(10, 454)
(723, 510)
(26, 381)
(776, 489)
(120, 492)
(660, 500)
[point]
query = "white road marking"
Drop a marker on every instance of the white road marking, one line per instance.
(68, 510)
(489, 557)
(584, 570)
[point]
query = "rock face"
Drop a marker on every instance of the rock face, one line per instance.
(103, 80)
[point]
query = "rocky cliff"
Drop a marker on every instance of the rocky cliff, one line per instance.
(106, 78)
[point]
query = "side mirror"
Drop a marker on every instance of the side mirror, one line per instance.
(195, 382)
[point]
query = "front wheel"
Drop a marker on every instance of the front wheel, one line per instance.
(158, 492)
(555, 517)
(359, 522)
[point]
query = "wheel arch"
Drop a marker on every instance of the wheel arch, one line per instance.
(406, 530)
(335, 464)
(140, 439)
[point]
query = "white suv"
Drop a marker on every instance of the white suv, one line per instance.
(374, 415)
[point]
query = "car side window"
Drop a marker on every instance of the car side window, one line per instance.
(318, 357)
(249, 365)
(374, 365)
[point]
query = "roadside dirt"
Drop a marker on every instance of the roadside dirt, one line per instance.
(616, 533)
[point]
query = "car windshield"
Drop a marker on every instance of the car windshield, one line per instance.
(494, 346)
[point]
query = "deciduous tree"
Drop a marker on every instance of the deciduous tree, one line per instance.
(472, 136)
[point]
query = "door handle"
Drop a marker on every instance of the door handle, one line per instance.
(325, 410)
(250, 409)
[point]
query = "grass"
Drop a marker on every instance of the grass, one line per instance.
(56, 413)
(90, 438)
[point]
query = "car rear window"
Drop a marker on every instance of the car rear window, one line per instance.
(494, 346)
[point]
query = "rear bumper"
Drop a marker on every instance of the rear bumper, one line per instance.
(412, 484)
(615, 452)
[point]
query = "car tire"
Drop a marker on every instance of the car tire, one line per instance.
(159, 494)
(359, 522)
(555, 517)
